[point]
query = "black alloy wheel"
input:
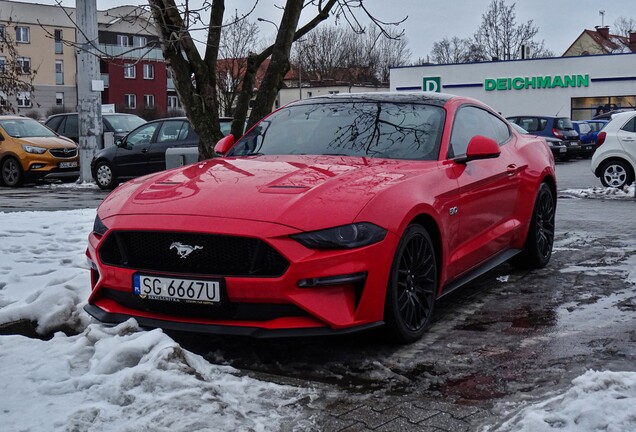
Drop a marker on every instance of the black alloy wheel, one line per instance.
(412, 285)
(12, 174)
(538, 248)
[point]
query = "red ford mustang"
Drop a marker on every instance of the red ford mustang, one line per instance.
(332, 215)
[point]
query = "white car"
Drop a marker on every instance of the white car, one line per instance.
(614, 161)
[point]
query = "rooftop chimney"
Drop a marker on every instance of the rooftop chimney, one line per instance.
(603, 31)
(632, 41)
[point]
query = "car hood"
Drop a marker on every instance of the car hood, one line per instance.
(47, 142)
(288, 190)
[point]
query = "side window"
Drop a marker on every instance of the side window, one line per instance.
(54, 123)
(172, 130)
(71, 127)
(630, 126)
(471, 121)
(143, 135)
(531, 124)
(542, 123)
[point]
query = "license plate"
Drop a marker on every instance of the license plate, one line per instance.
(563, 150)
(177, 290)
(68, 164)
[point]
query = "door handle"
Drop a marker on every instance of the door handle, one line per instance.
(144, 150)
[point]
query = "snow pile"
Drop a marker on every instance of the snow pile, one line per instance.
(125, 379)
(626, 192)
(44, 275)
(84, 185)
(597, 401)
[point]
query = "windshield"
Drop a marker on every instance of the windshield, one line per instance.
(123, 123)
(370, 129)
(25, 128)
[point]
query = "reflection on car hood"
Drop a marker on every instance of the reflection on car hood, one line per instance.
(281, 189)
(47, 142)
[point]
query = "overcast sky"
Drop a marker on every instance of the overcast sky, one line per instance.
(559, 21)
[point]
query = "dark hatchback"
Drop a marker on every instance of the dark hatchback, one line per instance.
(143, 150)
(558, 149)
(118, 123)
(552, 127)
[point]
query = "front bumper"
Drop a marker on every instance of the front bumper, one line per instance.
(285, 305)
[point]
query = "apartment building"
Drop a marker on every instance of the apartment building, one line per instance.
(39, 32)
(131, 63)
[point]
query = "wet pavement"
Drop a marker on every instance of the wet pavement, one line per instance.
(507, 339)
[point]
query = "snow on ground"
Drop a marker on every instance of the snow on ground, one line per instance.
(57, 186)
(600, 192)
(597, 401)
(106, 378)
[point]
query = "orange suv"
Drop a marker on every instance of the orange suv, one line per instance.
(30, 151)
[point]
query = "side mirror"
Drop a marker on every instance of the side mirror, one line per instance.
(480, 147)
(119, 142)
(224, 145)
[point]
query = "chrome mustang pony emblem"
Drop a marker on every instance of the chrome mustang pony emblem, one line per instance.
(183, 249)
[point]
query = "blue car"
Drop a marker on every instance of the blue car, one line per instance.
(586, 135)
(552, 127)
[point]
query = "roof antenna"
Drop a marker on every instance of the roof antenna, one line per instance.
(557, 113)
(602, 14)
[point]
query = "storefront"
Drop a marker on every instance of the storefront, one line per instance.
(578, 87)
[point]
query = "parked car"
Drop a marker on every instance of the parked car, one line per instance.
(30, 151)
(559, 150)
(553, 127)
(614, 161)
(118, 123)
(608, 115)
(586, 136)
(143, 151)
(331, 215)
(596, 126)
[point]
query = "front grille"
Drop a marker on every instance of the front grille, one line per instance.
(225, 310)
(63, 153)
(211, 254)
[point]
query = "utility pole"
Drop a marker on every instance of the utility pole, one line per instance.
(89, 87)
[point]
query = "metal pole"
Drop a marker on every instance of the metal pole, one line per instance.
(88, 87)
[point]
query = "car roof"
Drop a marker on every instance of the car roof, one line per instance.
(429, 98)
(13, 117)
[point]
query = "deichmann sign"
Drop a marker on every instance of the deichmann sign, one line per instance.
(538, 82)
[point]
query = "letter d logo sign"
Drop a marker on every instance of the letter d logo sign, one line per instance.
(432, 84)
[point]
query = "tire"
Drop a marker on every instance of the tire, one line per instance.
(412, 286)
(616, 173)
(104, 176)
(12, 174)
(537, 250)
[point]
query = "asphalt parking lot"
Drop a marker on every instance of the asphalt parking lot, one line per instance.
(509, 337)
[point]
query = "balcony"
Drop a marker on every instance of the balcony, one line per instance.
(170, 84)
(129, 52)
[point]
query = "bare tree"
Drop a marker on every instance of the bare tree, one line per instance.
(238, 39)
(16, 74)
(454, 50)
(623, 26)
(498, 37)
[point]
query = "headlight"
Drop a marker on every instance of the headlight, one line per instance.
(98, 227)
(33, 149)
(342, 237)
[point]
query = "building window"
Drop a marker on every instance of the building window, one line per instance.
(3, 64)
(58, 41)
(173, 102)
(139, 41)
(2, 30)
(59, 72)
(149, 101)
(122, 40)
(149, 71)
(59, 99)
(130, 101)
(333, 92)
(22, 34)
(129, 70)
(24, 100)
(24, 65)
